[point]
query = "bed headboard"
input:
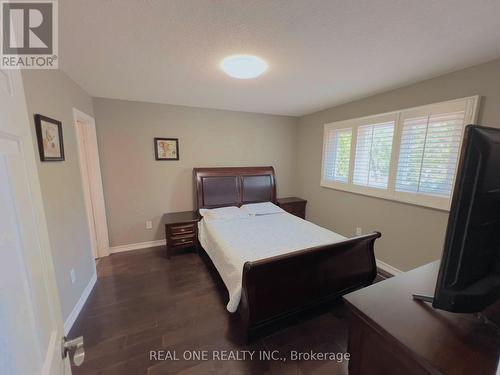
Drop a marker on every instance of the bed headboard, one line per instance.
(233, 186)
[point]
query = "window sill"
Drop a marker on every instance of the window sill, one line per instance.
(412, 199)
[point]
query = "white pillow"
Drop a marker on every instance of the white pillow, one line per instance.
(264, 208)
(222, 213)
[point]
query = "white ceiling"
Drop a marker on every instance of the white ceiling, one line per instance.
(320, 52)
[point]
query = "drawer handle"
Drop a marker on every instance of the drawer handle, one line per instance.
(181, 230)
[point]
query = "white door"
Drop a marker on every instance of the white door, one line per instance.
(31, 326)
(92, 183)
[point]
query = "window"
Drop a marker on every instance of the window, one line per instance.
(428, 154)
(373, 155)
(409, 155)
(337, 154)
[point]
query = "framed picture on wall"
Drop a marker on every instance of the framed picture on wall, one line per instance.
(50, 138)
(167, 149)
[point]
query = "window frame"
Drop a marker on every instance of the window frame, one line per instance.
(471, 105)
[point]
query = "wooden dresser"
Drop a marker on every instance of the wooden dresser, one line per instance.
(390, 333)
(295, 206)
(181, 230)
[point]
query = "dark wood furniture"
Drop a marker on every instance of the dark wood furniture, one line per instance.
(293, 205)
(390, 333)
(273, 288)
(181, 230)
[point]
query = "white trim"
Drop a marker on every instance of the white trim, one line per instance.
(51, 361)
(70, 320)
(136, 246)
(388, 268)
(90, 170)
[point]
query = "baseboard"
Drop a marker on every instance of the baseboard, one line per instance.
(136, 246)
(388, 268)
(70, 320)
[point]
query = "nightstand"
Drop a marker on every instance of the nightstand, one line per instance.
(181, 230)
(295, 206)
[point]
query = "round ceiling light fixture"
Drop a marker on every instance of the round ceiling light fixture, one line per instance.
(243, 66)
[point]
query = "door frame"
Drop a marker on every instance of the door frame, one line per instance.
(94, 198)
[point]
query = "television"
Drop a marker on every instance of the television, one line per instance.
(469, 273)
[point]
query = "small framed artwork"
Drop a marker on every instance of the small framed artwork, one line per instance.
(50, 138)
(167, 149)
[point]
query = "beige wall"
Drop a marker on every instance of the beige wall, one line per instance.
(53, 94)
(139, 188)
(411, 235)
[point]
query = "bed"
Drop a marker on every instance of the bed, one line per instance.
(274, 264)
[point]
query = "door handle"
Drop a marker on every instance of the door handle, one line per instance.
(75, 345)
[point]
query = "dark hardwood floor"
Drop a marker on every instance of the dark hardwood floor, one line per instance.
(143, 302)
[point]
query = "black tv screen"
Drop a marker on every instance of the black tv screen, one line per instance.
(469, 274)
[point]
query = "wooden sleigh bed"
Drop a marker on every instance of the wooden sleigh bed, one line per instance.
(278, 286)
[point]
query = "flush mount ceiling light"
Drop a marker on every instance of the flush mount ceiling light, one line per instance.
(243, 66)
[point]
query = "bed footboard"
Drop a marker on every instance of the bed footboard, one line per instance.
(275, 287)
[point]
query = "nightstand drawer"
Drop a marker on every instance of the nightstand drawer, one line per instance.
(176, 230)
(181, 230)
(178, 241)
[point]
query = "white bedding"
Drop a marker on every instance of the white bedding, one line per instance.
(230, 243)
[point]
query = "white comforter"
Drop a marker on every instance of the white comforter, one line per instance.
(230, 243)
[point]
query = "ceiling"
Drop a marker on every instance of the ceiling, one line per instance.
(320, 52)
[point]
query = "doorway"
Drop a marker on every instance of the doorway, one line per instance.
(91, 182)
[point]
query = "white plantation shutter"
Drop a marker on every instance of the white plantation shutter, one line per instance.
(408, 156)
(373, 155)
(429, 153)
(336, 155)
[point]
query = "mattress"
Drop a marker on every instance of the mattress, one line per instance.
(230, 243)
